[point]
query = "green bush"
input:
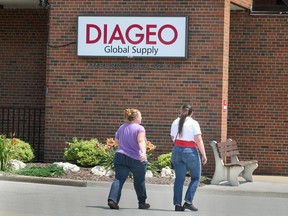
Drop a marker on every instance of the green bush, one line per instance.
(85, 152)
(92, 153)
(13, 148)
(22, 151)
(164, 160)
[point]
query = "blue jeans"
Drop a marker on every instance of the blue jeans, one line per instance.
(123, 165)
(185, 159)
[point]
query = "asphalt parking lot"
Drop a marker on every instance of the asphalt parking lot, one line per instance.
(266, 196)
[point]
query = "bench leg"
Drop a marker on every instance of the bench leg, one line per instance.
(220, 173)
(218, 177)
(248, 171)
(233, 173)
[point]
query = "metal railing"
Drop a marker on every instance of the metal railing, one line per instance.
(27, 124)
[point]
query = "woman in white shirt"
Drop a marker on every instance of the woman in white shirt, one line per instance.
(187, 137)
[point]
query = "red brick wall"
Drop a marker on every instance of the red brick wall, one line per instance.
(258, 90)
(22, 57)
(89, 102)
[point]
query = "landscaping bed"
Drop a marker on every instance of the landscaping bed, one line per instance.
(85, 175)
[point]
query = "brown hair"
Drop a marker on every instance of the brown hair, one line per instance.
(130, 114)
(186, 110)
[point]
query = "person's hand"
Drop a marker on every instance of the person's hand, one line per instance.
(143, 157)
(204, 159)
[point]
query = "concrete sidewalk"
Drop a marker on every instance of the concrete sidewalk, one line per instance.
(266, 185)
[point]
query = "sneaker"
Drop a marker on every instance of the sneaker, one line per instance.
(179, 208)
(112, 204)
(190, 207)
(144, 206)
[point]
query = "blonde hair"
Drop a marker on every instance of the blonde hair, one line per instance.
(130, 114)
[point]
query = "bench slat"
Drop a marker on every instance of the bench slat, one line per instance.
(228, 149)
(241, 163)
(228, 153)
(244, 163)
(232, 164)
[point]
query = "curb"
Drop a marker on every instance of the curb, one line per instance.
(44, 180)
(68, 182)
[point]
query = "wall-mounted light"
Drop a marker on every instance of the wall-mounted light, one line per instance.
(44, 3)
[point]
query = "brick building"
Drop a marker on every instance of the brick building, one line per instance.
(236, 53)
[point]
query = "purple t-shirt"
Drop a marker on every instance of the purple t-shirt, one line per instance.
(127, 135)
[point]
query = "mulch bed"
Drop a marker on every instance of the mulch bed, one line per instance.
(85, 175)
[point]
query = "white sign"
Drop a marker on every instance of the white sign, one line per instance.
(132, 36)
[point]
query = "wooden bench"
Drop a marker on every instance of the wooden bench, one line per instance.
(227, 165)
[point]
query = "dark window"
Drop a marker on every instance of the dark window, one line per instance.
(270, 6)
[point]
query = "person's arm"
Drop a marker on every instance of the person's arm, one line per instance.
(173, 131)
(200, 144)
(142, 145)
(116, 141)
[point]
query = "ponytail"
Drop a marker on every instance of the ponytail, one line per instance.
(186, 110)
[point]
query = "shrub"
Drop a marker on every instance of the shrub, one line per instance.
(92, 153)
(84, 152)
(13, 148)
(164, 160)
(22, 151)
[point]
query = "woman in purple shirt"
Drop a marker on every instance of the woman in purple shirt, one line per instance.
(130, 157)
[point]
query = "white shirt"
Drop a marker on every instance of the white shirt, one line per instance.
(190, 128)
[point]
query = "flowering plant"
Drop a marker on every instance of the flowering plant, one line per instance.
(150, 146)
(110, 148)
(151, 165)
(111, 144)
(6, 149)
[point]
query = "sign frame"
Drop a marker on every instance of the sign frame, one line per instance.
(162, 36)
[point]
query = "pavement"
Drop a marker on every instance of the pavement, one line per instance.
(262, 184)
(34, 196)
